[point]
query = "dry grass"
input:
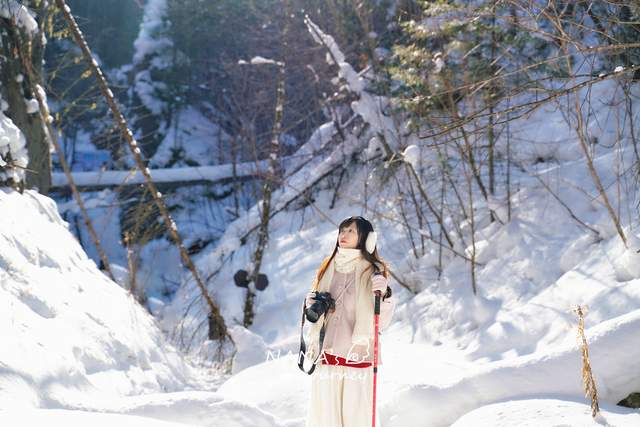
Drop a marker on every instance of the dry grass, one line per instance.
(590, 389)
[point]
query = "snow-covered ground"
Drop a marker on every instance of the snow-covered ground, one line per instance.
(78, 345)
(546, 412)
(72, 347)
(61, 417)
(449, 351)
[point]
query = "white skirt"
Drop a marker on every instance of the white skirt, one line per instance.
(341, 396)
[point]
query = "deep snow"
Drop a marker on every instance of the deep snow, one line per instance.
(76, 342)
(77, 346)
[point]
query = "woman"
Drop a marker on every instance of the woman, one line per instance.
(342, 385)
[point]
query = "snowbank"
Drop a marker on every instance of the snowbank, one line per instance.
(614, 348)
(69, 334)
(286, 390)
(547, 412)
(194, 408)
(61, 417)
(72, 339)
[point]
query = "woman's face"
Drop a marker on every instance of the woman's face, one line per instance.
(348, 236)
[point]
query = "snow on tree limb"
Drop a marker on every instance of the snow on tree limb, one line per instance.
(370, 107)
(11, 9)
(13, 151)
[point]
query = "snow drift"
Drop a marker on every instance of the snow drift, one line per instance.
(69, 332)
(614, 348)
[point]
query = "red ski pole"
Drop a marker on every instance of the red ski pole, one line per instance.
(376, 315)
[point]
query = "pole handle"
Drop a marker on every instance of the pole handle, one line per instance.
(376, 307)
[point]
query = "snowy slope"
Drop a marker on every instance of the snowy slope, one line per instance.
(68, 332)
(198, 138)
(419, 385)
(614, 350)
(74, 340)
(417, 371)
(447, 351)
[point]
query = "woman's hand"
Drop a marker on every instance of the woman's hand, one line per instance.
(379, 283)
(310, 299)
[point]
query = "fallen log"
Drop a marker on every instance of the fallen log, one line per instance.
(170, 177)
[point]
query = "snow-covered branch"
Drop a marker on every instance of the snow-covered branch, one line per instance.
(176, 176)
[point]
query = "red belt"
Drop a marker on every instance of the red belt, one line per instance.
(330, 359)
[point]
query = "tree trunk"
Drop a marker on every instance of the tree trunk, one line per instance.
(14, 87)
(270, 180)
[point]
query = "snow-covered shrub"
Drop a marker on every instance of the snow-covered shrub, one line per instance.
(13, 151)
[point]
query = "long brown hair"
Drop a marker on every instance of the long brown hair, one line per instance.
(364, 227)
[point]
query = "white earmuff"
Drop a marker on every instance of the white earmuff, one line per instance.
(370, 244)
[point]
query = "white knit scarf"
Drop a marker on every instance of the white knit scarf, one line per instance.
(345, 259)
